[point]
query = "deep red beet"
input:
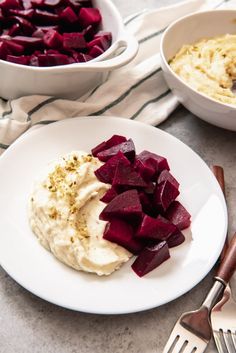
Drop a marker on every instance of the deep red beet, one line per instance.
(166, 175)
(52, 59)
(109, 195)
(68, 15)
(175, 239)
(95, 51)
(155, 228)
(164, 195)
(121, 233)
(150, 258)
(89, 16)
(178, 215)
(126, 176)
(99, 41)
(125, 206)
(53, 39)
(4, 51)
(23, 60)
(74, 41)
(113, 141)
(150, 164)
(9, 4)
(127, 148)
(107, 171)
(146, 203)
(28, 43)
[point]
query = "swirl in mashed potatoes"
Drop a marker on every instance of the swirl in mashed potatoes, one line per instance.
(64, 215)
(209, 66)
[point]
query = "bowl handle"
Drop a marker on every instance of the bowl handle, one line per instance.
(131, 48)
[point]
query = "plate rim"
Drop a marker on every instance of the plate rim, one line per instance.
(24, 137)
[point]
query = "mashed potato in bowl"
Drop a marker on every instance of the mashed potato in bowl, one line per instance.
(64, 215)
(209, 66)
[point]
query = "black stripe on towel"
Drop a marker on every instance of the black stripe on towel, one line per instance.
(39, 106)
(125, 94)
(153, 100)
(3, 146)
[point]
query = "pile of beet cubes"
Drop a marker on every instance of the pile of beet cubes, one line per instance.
(142, 212)
(50, 32)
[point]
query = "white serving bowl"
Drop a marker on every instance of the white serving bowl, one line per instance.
(188, 30)
(73, 80)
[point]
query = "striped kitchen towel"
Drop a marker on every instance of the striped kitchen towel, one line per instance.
(137, 91)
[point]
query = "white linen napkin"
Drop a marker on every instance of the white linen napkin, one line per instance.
(137, 91)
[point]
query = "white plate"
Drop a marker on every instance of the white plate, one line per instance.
(25, 260)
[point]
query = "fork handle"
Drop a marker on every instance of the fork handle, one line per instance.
(228, 264)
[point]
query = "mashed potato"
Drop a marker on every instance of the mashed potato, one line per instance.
(209, 66)
(64, 215)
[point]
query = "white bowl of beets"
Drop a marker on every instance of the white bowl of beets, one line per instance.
(142, 212)
(60, 47)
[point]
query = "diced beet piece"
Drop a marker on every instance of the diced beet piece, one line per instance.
(88, 33)
(107, 171)
(15, 48)
(121, 233)
(100, 41)
(124, 206)
(30, 43)
(109, 195)
(178, 215)
(166, 175)
(9, 4)
(106, 35)
(45, 17)
(53, 59)
(23, 60)
(127, 148)
(95, 51)
(13, 30)
(81, 58)
(89, 16)
(52, 3)
(26, 26)
(150, 164)
(68, 15)
(165, 194)
(113, 141)
(28, 14)
(74, 40)
(146, 203)
(53, 39)
(4, 51)
(126, 176)
(150, 258)
(175, 239)
(155, 228)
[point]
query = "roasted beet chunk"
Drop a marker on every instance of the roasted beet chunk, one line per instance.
(109, 195)
(113, 141)
(107, 171)
(155, 228)
(150, 164)
(89, 16)
(166, 175)
(176, 238)
(150, 257)
(123, 206)
(120, 232)
(165, 194)
(127, 148)
(126, 176)
(178, 215)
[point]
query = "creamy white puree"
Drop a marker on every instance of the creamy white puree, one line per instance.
(64, 215)
(209, 66)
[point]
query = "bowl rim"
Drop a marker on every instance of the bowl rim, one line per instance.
(171, 71)
(116, 15)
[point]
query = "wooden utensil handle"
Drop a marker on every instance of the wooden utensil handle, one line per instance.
(228, 264)
(219, 174)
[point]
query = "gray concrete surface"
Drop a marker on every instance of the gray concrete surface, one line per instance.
(31, 325)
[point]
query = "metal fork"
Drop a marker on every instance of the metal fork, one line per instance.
(192, 332)
(223, 315)
(223, 319)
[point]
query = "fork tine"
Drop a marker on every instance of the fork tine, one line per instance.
(233, 335)
(229, 342)
(219, 342)
(179, 345)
